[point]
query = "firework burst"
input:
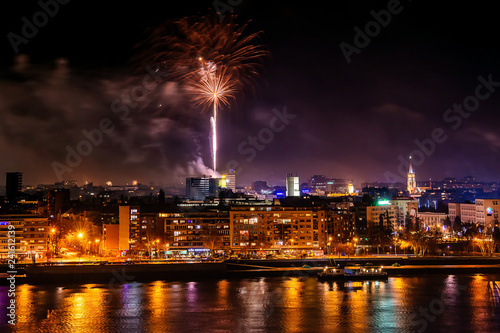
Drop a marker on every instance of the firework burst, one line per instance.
(212, 59)
(212, 87)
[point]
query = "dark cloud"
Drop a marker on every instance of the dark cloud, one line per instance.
(44, 110)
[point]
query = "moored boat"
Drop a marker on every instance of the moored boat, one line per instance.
(353, 273)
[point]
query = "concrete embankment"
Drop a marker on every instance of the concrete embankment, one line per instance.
(123, 273)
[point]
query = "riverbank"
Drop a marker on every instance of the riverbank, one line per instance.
(170, 271)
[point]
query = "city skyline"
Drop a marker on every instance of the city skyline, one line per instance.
(354, 110)
(237, 165)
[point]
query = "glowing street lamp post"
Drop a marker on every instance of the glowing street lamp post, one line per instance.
(80, 237)
(157, 248)
(52, 240)
(98, 246)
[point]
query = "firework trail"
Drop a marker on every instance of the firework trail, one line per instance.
(212, 59)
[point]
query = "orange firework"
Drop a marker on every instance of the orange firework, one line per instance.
(196, 44)
(211, 59)
(213, 86)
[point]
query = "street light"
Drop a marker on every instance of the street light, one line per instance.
(52, 240)
(97, 241)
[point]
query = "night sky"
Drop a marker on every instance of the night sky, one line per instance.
(352, 120)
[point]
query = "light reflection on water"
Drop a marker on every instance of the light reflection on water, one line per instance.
(434, 303)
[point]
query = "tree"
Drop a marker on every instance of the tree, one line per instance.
(471, 230)
(486, 245)
(379, 236)
(447, 222)
(408, 220)
(457, 224)
(212, 239)
(495, 235)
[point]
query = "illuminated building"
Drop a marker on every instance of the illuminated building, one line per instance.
(228, 180)
(432, 220)
(338, 185)
(384, 214)
(454, 211)
(195, 232)
(292, 186)
(467, 213)
(340, 226)
(18, 224)
(128, 221)
(198, 188)
(31, 235)
(317, 184)
(143, 230)
(277, 227)
(350, 188)
(110, 238)
(36, 236)
(411, 181)
(487, 212)
(407, 210)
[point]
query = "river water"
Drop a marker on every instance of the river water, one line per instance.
(433, 303)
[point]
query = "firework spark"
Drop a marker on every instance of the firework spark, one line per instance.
(212, 59)
(214, 87)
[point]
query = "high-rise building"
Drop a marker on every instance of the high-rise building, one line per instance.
(292, 186)
(228, 180)
(339, 185)
(198, 188)
(317, 183)
(111, 238)
(14, 185)
(411, 181)
(278, 227)
(259, 185)
(58, 201)
(383, 215)
(129, 224)
(487, 212)
(350, 187)
(407, 210)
